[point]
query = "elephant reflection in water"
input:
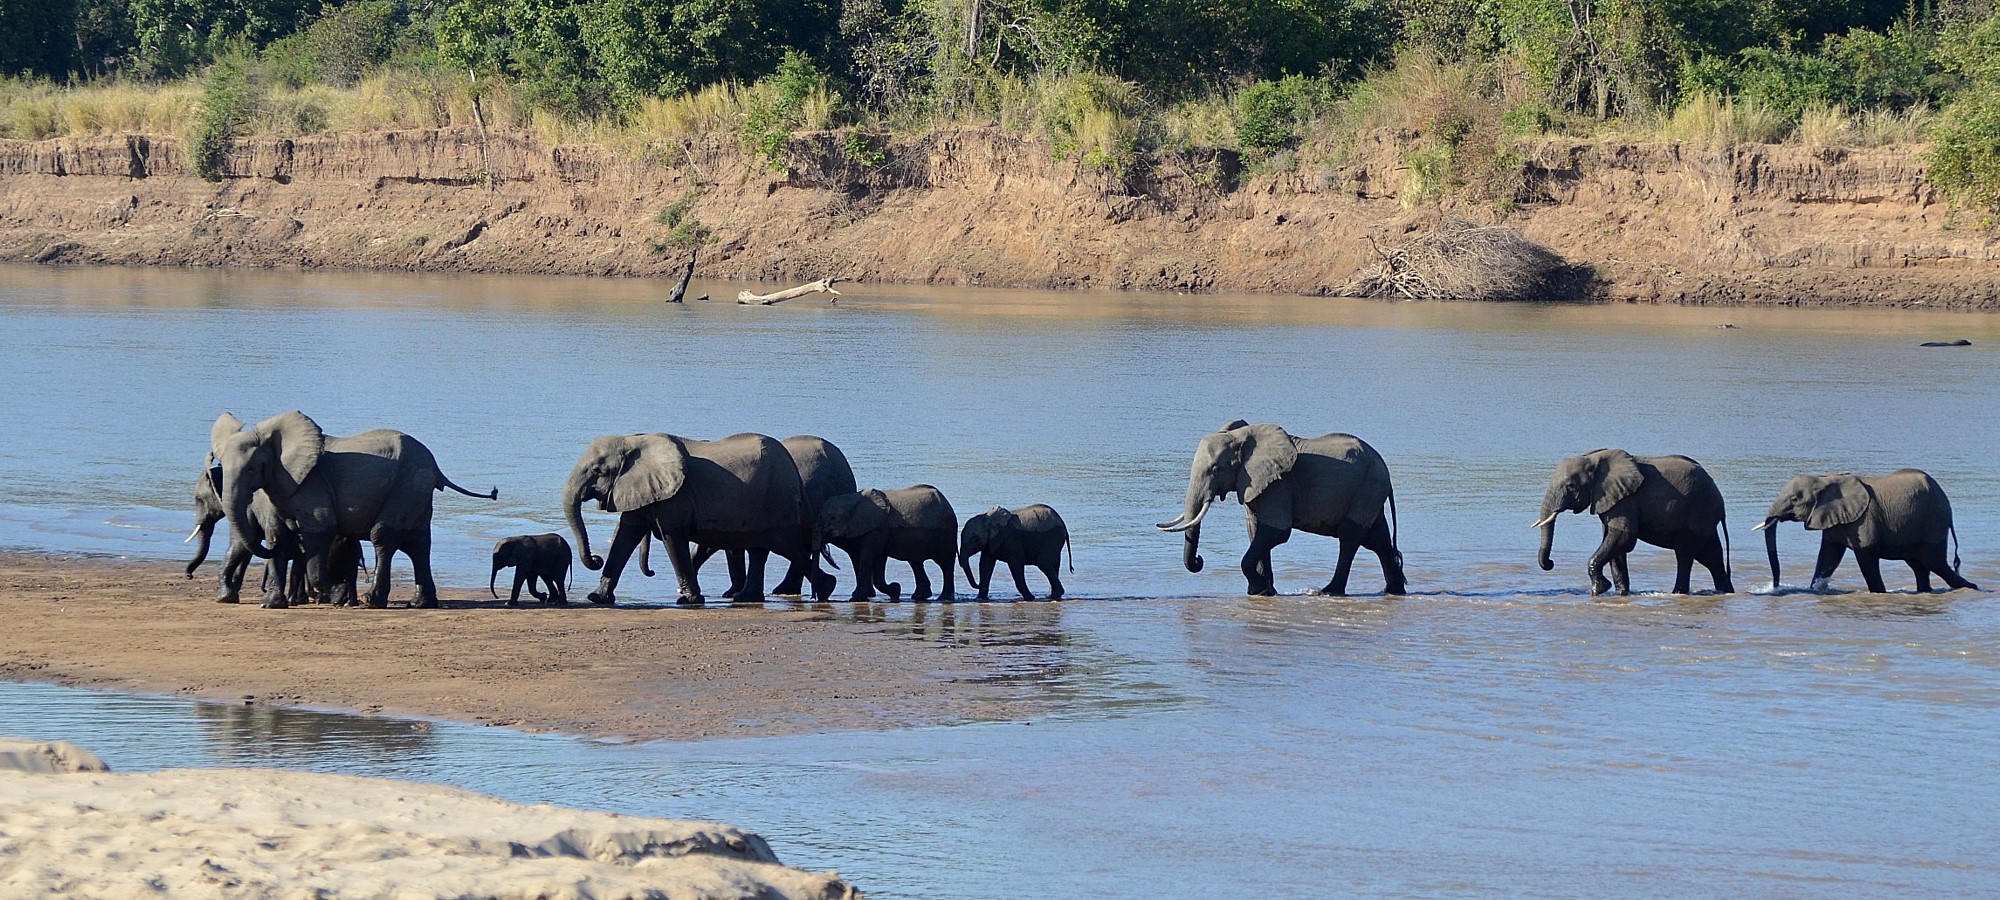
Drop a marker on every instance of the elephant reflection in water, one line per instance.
(1332, 485)
(260, 733)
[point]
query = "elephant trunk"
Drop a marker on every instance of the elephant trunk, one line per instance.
(206, 531)
(494, 577)
(1771, 549)
(573, 497)
(236, 499)
(1190, 548)
(1551, 507)
(965, 555)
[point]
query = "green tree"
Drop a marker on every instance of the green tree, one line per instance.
(35, 37)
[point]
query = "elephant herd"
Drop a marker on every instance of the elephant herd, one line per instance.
(306, 501)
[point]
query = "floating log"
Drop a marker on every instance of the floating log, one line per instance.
(823, 285)
(681, 289)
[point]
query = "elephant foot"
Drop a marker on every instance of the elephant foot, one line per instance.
(426, 603)
(947, 597)
(895, 591)
(683, 600)
(1055, 595)
(601, 598)
(920, 597)
(1600, 587)
(746, 598)
(1263, 592)
(789, 588)
(861, 597)
(729, 594)
(274, 603)
(1396, 588)
(981, 598)
(228, 599)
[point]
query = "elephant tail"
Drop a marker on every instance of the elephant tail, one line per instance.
(1728, 564)
(1395, 528)
(1071, 547)
(444, 481)
(1954, 547)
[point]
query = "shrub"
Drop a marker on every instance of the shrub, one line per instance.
(225, 106)
(1273, 115)
(339, 48)
(795, 96)
(1964, 157)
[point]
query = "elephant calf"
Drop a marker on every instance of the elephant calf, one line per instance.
(1666, 501)
(915, 524)
(1032, 535)
(1902, 515)
(534, 557)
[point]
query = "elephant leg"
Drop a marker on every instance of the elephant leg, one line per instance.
(419, 552)
(1830, 554)
(736, 574)
(1871, 570)
(945, 565)
(1349, 545)
(632, 529)
(1382, 542)
(235, 566)
(1922, 576)
(1683, 568)
(521, 577)
(751, 589)
(986, 562)
(1053, 572)
(794, 580)
(557, 596)
(892, 589)
(1712, 557)
(346, 573)
(1621, 572)
(1257, 561)
(1020, 579)
(1614, 545)
(684, 572)
(1936, 561)
(923, 579)
(378, 592)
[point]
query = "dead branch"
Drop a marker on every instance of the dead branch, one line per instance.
(687, 273)
(1458, 261)
(747, 298)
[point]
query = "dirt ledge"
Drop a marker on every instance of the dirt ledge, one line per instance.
(1659, 223)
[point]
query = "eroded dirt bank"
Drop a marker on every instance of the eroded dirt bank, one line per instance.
(613, 672)
(1754, 224)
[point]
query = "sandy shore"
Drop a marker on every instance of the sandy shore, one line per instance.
(631, 673)
(68, 828)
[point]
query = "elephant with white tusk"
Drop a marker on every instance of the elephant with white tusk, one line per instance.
(1332, 485)
(1666, 501)
(1902, 515)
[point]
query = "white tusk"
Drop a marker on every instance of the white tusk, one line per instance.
(1760, 526)
(191, 534)
(1547, 519)
(1183, 526)
(1168, 526)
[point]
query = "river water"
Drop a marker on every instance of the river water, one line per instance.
(1497, 732)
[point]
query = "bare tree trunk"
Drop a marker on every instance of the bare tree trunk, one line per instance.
(747, 298)
(972, 29)
(687, 273)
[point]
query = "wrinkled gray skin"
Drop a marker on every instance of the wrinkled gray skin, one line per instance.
(374, 486)
(915, 524)
(1902, 515)
(1666, 501)
(533, 557)
(739, 493)
(266, 526)
(823, 473)
(1029, 536)
(1333, 485)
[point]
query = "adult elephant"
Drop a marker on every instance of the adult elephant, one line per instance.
(1666, 501)
(1902, 515)
(823, 473)
(1333, 485)
(738, 493)
(269, 528)
(374, 486)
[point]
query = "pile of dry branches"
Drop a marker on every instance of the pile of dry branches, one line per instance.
(1458, 261)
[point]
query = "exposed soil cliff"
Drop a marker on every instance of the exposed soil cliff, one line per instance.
(1657, 222)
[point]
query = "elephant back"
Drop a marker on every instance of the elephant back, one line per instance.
(383, 474)
(1338, 478)
(1039, 518)
(823, 469)
(1909, 507)
(1683, 490)
(921, 506)
(742, 484)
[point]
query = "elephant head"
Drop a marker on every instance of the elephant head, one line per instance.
(1821, 502)
(622, 472)
(1596, 481)
(273, 456)
(845, 517)
(1244, 458)
(982, 533)
(208, 510)
(508, 553)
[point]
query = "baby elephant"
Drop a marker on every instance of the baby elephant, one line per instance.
(1902, 515)
(533, 556)
(915, 524)
(1018, 537)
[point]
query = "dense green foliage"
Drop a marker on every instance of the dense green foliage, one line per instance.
(225, 103)
(1277, 68)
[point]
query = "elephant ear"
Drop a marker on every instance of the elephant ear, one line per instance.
(1268, 454)
(299, 442)
(1618, 477)
(1841, 500)
(655, 467)
(225, 425)
(871, 511)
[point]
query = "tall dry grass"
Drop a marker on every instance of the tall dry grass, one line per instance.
(37, 110)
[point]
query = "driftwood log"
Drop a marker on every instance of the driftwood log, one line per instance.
(681, 289)
(824, 285)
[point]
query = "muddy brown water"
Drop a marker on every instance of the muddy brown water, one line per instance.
(1498, 732)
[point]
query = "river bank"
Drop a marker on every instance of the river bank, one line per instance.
(1656, 222)
(72, 828)
(621, 672)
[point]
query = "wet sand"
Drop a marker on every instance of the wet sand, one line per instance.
(625, 673)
